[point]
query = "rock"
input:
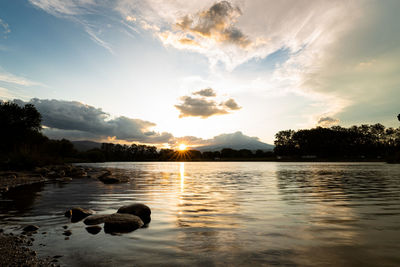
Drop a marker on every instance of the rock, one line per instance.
(77, 172)
(67, 233)
(94, 230)
(31, 228)
(96, 219)
(114, 179)
(76, 214)
(66, 179)
(65, 226)
(42, 171)
(67, 238)
(122, 223)
(9, 175)
(137, 209)
(105, 174)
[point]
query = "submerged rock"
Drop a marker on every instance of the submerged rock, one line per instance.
(138, 209)
(96, 219)
(31, 228)
(122, 223)
(114, 179)
(94, 230)
(76, 214)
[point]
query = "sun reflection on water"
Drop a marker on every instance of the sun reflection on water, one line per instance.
(182, 175)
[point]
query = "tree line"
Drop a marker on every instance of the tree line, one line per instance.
(23, 146)
(356, 142)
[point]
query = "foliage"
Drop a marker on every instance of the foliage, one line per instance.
(365, 141)
(22, 145)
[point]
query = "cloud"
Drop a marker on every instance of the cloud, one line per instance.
(17, 80)
(231, 104)
(78, 11)
(216, 23)
(72, 119)
(206, 92)
(199, 107)
(199, 104)
(6, 28)
(62, 7)
(328, 122)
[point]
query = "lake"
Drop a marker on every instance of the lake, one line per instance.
(224, 213)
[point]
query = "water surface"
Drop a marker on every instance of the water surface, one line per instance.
(224, 213)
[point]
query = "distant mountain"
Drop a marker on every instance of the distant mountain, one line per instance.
(85, 145)
(252, 145)
(235, 141)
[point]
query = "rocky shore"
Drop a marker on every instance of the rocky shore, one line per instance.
(10, 179)
(15, 251)
(14, 248)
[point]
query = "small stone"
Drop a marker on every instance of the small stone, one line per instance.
(43, 233)
(65, 226)
(67, 238)
(67, 233)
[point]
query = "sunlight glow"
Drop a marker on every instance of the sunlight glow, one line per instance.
(182, 147)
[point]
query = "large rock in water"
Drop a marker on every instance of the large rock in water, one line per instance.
(96, 219)
(122, 223)
(76, 214)
(137, 209)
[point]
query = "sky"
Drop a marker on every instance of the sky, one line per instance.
(164, 72)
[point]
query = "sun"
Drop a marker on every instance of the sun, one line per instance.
(182, 147)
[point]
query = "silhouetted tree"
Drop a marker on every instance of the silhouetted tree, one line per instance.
(19, 125)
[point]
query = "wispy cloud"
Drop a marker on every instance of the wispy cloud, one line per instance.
(76, 10)
(18, 80)
(6, 28)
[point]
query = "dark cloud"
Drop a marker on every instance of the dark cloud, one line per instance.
(199, 104)
(206, 92)
(231, 104)
(74, 120)
(327, 121)
(199, 107)
(216, 23)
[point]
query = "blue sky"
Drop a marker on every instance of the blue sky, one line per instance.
(270, 65)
